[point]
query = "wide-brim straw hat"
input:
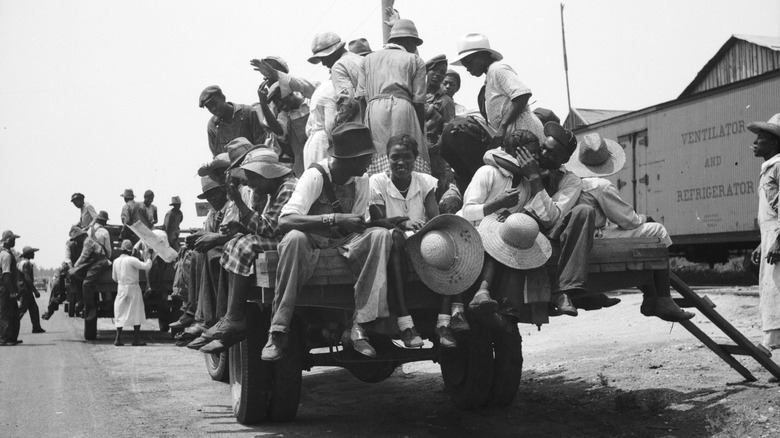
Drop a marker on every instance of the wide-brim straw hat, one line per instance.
(596, 156)
(351, 140)
(405, 28)
(516, 242)
(207, 183)
(237, 150)
(324, 44)
(265, 163)
(447, 254)
(473, 43)
(772, 126)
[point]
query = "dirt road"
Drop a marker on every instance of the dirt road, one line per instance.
(605, 373)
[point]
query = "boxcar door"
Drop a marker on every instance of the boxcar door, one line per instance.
(641, 172)
(623, 180)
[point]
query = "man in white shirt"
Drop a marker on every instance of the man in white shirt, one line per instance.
(328, 209)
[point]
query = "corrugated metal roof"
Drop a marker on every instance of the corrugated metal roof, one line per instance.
(584, 117)
(721, 69)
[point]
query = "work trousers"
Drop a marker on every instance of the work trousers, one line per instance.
(212, 287)
(58, 293)
(463, 143)
(575, 231)
(367, 255)
(88, 287)
(27, 303)
(9, 316)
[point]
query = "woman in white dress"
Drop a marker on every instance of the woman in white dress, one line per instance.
(129, 302)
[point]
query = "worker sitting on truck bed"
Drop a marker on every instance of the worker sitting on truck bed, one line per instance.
(328, 209)
(94, 259)
(595, 158)
(59, 291)
(255, 230)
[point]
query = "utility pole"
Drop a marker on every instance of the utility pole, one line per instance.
(565, 61)
(383, 16)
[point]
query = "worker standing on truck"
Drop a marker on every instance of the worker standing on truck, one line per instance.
(767, 146)
(229, 120)
(87, 211)
(27, 290)
(59, 292)
(256, 231)
(151, 209)
(594, 159)
(9, 290)
(328, 209)
(132, 212)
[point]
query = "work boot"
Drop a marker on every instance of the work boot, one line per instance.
(46, 315)
(445, 336)
(563, 305)
(458, 323)
(411, 338)
(214, 347)
(226, 328)
(666, 309)
(482, 303)
(185, 321)
(275, 347)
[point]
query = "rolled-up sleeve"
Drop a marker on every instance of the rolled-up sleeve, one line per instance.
(476, 194)
(549, 209)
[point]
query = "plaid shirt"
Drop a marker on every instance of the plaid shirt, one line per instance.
(239, 254)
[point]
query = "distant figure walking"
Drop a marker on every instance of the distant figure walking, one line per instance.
(129, 303)
(27, 291)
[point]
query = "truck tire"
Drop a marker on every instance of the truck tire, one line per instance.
(507, 366)
(467, 370)
(90, 329)
(286, 378)
(217, 366)
(250, 376)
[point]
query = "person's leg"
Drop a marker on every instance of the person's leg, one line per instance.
(35, 317)
(7, 314)
(118, 339)
(397, 283)
(657, 299)
(136, 336)
(89, 289)
(482, 303)
(298, 257)
(576, 238)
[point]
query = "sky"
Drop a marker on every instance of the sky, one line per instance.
(99, 95)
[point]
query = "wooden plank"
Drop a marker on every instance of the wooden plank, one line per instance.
(613, 267)
(537, 286)
(594, 268)
(659, 264)
(635, 266)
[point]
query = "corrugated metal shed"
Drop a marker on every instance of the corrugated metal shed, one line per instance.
(583, 117)
(742, 57)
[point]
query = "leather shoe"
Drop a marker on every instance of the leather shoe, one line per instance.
(482, 303)
(446, 338)
(411, 338)
(226, 328)
(564, 305)
(357, 339)
(18, 341)
(195, 329)
(594, 302)
(46, 315)
(458, 323)
(275, 347)
(186, 320)
(38, 330)
(7, 344)
(198, 343)
(214, 347)
(666, 309)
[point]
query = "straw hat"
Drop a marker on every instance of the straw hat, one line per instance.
(76, 232)
(206, 184)
(237, 150)
(215, 166)
(473, 43)
(596, 156)
(324, 44)
(772, 126)
(516, 242)
(447, 254)
(102, 216)
(265, 163)
(175, 200)
(404, 28)
(351, 140)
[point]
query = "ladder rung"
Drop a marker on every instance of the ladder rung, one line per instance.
(733, 349)
(687, 303)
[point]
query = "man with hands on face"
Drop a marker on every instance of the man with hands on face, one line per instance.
(328, 209)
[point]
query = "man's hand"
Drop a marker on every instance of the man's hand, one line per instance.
(508, 199)
(529, 167)
(265, 69)
(392, 16)
(755, 257)
(233, 193)
(262, 93)
(773, 255)
(232, 228)
(353, 223)
(411, 225)
(207, 241)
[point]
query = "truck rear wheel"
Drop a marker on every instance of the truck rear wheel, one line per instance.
(217, 366)
(250, 376)
(507, 366)
(90, 329)
(286, 378)
(468, 369)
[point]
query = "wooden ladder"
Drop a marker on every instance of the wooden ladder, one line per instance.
(726, 352)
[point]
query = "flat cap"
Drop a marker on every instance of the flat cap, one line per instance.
(75, 196)
(429, 64)
(209, 93)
